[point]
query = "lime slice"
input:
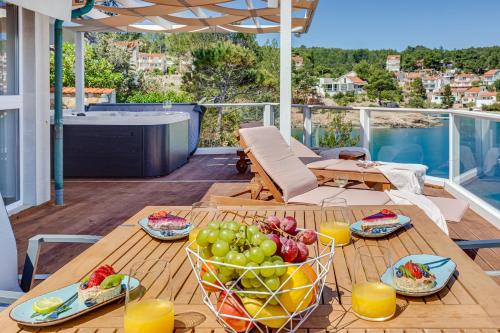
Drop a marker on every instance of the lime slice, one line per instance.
(46, 305)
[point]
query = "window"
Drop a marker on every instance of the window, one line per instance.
(9, 156)
(8, 49)
(10, 101)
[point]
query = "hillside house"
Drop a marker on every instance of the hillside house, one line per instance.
(486, 98)
(393, 63)
(151, 61)
(347, 83)
(298, 61)
(464, 80)
(432, 83)
(471, 94)
(491, 76)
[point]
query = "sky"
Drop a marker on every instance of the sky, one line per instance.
(395, 24)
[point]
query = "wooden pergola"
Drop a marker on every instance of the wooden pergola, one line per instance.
(225, 16)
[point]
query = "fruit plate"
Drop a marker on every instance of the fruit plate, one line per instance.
(402, 222)
(442, 268)
(165, 234)
(22, 313)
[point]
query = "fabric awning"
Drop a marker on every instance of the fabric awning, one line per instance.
(248, 16)
(59, 9)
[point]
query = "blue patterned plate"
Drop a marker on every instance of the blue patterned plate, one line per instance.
(442, 268)
(22, 313)
(165, 234)
(379, 232)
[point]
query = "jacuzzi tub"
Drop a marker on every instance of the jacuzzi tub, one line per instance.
(124, 144)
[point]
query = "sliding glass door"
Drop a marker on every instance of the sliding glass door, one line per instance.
(10, 106)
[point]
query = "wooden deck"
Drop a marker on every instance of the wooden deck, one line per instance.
(97, 206)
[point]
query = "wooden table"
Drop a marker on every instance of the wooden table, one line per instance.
(470, 302)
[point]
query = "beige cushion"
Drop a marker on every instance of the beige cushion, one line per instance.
(364, 197)
(300, 150)
(323, 164)
(349, 165)
(275, 156)
(316, 196)
(452, 209)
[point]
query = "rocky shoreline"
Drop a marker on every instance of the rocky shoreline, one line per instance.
(378, 119)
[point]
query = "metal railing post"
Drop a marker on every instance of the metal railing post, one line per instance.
(454, 147)
(268, 115)
(365, 128)
(307, 126)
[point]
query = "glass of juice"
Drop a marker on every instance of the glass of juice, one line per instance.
(372, 299)
(149, 308)
(201, 214)
(335, 217)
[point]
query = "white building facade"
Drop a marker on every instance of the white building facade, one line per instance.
(25, 100)
(348, 83)
(491, 76)
(393, 63)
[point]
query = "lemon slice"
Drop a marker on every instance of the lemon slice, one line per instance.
(47, 305)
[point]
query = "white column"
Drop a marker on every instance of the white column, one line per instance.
(365, 130)
(79, 71)
(268, 115)
(454, 148)
(286, 69)
(307, 126)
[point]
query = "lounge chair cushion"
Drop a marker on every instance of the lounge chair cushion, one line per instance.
(275, 156)
(316, 196)
(364, 197)
(452, 209)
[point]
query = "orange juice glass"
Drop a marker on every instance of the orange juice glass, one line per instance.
(372, 299)
(335, 222)
(149, 308)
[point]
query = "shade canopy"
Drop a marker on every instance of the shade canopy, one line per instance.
(248, 16)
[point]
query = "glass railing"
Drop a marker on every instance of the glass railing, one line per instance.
(471, 162)
(479, 156)
(411, 138)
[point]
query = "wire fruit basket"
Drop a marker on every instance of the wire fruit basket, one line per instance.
(281, 308)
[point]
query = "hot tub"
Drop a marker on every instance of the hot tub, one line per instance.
(194, 111)
(124, 144)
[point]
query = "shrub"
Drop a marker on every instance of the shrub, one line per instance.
(338, 132)
(160, 97)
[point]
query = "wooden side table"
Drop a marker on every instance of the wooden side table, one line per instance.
(352, 155)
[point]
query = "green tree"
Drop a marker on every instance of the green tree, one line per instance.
(418, 94)
(304, 84)
(338, 132)
(497, 85)
(382, 86)
(221, 72)
(98, 71)
(120, 60)
(447, 97)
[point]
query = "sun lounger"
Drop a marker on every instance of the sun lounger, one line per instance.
(280, 177)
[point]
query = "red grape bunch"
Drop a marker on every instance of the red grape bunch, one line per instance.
(291, 243)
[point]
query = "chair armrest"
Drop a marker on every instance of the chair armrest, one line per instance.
(478, 244)
(34, 243)
(9, 297)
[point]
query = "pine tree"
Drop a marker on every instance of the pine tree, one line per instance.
(447, 97)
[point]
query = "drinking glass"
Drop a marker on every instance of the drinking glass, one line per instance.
(201, 211)
(149, 308)
(335, 221)
(372, 299)
(341, 181)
